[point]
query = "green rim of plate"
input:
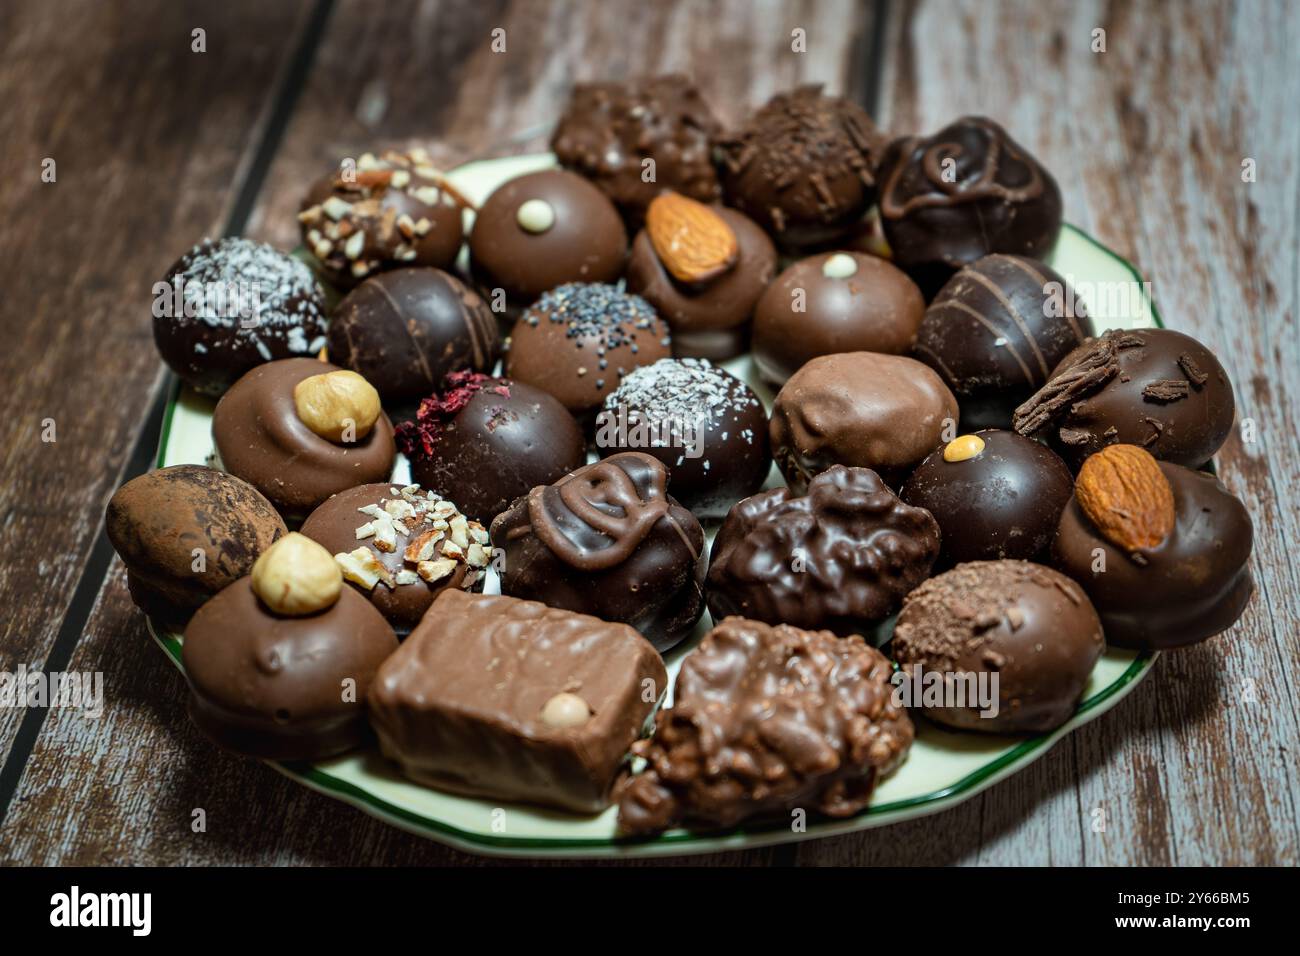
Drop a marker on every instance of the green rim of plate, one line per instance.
(320, 780)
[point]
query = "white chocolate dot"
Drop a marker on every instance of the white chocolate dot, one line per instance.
(839, 266)
(565, 710)
(535, 215)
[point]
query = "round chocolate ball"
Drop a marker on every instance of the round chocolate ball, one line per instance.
(883, 412)
(705, 424)
(1032, 628)
(579, 340)
(834, 302)
(803, 167)
(485, 441)
(542, 230)
(386, 212)
(709, 318)
(230, 304)
(994, 493)
(996, 331)
(963, 193)
(1155, 388)
(405, 330)
(272, 686)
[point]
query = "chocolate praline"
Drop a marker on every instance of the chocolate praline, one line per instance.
(1194, 585)
(404, 330)
(260, 438)
(610, 130)
(884, 412)
(834, 302)
(963, 193)
(608, 540)
(274, 687)
(388, 212)
(185, 533)
(544, 229)
(579, 340)
(231, 304)
(995, 332)
(705, 424)
(841, 557)
(1155, 388)
(803, 167)
(1025, 624)
(709, 319)
(485, 441)
(1000, 496)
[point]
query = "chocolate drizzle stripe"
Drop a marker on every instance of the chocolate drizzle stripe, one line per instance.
(1042, 281)
(997, 334)
(416, 352)
(1016, 318)
(944, 370)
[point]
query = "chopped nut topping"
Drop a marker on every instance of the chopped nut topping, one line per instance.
(433, 571)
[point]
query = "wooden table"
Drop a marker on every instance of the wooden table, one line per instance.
(156, 145)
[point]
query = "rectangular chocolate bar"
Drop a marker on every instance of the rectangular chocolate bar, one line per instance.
(496, 697)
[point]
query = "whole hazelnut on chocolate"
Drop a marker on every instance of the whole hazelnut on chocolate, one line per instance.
(296, 576)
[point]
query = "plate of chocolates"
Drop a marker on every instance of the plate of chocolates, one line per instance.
(681, 489)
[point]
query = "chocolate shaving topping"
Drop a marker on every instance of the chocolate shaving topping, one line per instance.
(1166, 390)
(1094, 364)
(1193, 371)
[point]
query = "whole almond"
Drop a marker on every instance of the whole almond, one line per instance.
(1127, 497)
(694, 243)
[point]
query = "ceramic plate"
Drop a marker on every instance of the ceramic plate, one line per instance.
(942, 770)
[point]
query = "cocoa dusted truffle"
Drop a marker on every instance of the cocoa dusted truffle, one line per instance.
(608, 540)
(705, 424)
(995, 332)
(963, 193)
(542, 230)
(1028, 628)
(300, 430)
(703, 269)
(615, 134)
(385, 212)
(803, 167)
(834, 302)
(185, 533)
(230, 304)
(513, 700)
(1156, 388)
(404, 330)
(578, 341)
(994, 493)
(486, 441)
(1162, 550)
(766, 720)
(884, 412)
(839, 558)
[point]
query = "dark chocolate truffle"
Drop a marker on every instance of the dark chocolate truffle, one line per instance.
(610, 130)
(995, 494)
(388, 212)
(1155, 388)
(884, 412)
(709, 316)
(803, 167)
(767, 720)
(1029, 627)
(405, 330)
(485, 441)
(963, 193)
(184, 533)
(829, 303)
(608, 540)
(230, 304)
(401, 547)
(578, 341)
(272, 686)
(1196, 583)
(261, 438)
(705, 424)
(542, 230)
(996, 331)
(839, 558)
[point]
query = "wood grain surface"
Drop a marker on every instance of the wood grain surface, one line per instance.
(1146, 139)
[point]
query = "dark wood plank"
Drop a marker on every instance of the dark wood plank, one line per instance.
(1147, 141)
